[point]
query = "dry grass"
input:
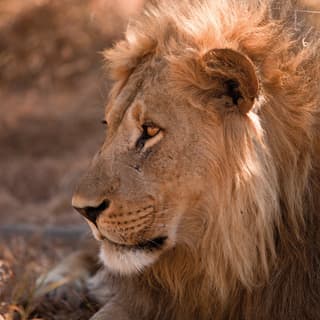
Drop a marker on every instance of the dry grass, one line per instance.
(26, 261)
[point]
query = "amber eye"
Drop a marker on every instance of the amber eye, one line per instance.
(152, 130)
(149, 131)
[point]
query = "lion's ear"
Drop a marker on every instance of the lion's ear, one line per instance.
(235, 74)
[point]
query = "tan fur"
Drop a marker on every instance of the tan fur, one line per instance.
(233, 183)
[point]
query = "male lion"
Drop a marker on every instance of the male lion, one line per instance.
(205, 195)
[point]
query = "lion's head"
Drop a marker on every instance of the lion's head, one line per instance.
(186, 166)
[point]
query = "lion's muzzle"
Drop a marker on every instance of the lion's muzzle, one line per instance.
(128, 225)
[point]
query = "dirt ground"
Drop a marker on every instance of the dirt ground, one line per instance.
(52, 95)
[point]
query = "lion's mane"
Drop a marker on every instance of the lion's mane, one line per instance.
(261, 243)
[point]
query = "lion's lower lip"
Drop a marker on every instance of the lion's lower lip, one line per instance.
(151, 244)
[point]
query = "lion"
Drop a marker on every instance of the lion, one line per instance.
(204, 197)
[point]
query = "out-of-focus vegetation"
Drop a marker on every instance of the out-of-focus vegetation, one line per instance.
(52, 93)
(313, 11)
(45, 43)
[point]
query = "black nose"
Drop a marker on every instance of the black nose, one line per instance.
(92, 213)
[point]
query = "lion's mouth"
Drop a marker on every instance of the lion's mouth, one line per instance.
(152, 244)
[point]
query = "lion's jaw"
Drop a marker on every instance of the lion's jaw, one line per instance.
(133, 236)
(128, 259)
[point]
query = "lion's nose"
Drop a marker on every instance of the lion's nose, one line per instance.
(92, 213)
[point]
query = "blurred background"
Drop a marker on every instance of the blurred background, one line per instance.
(53, 89)
(52, 93)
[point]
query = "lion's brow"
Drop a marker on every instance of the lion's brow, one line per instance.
(116, 110)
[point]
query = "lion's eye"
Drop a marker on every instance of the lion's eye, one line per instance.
(104, 122)
(149, 131)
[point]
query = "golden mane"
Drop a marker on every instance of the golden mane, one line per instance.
(268, 190)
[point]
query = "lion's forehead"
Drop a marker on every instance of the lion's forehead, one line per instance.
(146, 88)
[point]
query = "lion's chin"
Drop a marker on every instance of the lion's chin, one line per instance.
(130, 259)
